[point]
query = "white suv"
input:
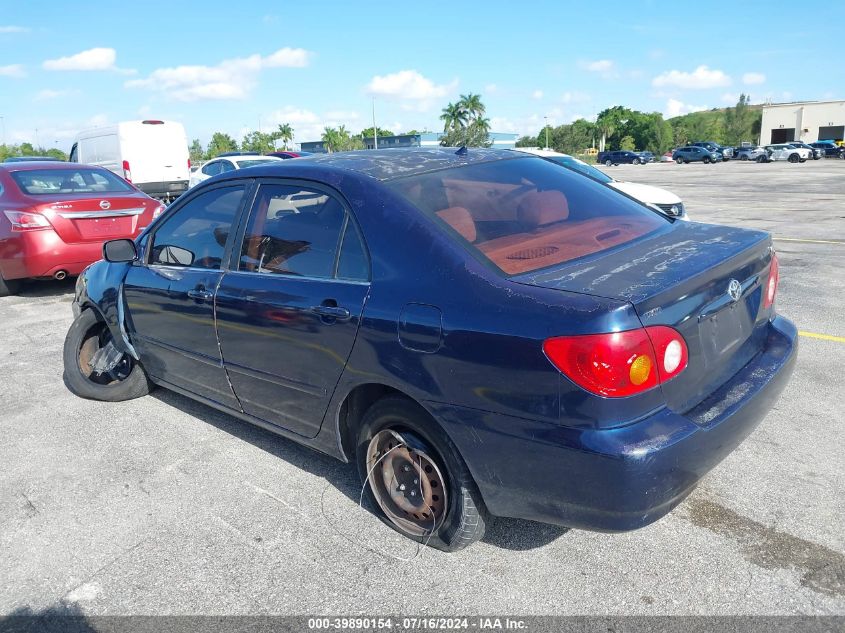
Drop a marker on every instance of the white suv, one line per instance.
(785, 151)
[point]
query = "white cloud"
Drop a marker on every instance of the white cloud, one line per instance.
(13, 29)
(14, 71)
(753, 79)
(598, 66)
(308, 125)
(491, 88)
(537, 94)
(677, 108)
(48, 95)
(574, 97)
(730, 98)
(408, 86)
(230, 79)
(92, 59)
(701, 78)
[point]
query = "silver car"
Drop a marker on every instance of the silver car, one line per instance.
(758, 154)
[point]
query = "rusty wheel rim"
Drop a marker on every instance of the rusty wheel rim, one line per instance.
(94, 340)
(407, 483)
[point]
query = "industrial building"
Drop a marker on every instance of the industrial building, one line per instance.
(807, 121)
(500, 140)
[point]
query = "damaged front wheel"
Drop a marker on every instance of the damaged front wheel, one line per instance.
(95, 367)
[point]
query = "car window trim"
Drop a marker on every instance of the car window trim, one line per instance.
(149, 238)
(235, 255)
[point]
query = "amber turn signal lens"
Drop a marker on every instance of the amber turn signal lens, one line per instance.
(640, 370)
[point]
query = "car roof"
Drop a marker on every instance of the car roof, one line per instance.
(46, 164)
(382, 164)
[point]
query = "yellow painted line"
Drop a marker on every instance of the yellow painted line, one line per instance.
(826, 337)
(795, 239)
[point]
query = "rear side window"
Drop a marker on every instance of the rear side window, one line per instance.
(37, 182)
(295, 230)
(195, 235)
(525, 214)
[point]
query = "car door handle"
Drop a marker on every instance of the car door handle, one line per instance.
(333, 312)
(200, 294)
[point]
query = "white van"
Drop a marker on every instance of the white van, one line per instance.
(152, 155)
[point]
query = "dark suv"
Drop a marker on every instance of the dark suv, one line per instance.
(620, 156)
(829, 149)
(725, 152)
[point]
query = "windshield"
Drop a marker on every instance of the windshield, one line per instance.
(524, 214)
(38, 182)
(257, 161)
(582, 168)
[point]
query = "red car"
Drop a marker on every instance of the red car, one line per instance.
(285, 154)
(54, 218)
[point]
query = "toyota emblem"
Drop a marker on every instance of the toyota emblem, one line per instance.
(734, 290)
(105, 204)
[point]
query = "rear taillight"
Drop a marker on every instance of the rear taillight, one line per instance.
(158, 211)
(127, 173)
(26, 221)
(772, 283)
(189, 164)
(619, 364)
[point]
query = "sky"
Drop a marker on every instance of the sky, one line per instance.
(241, 66)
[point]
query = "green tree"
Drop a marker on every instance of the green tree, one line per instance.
(368, 132)
(340, 140)
(454, 117)
(627, 143)
(284, 134)
(464, 123)
(195, 151)
(219, 144)
(472, 105)
(260, 142)
(738, 122)
(527, 141)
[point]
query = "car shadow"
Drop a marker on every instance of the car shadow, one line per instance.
(33, 288)
(505, 533)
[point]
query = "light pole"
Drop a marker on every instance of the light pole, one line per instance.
(546, 119)
(375, 129)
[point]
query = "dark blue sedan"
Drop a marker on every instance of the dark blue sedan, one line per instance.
(481, 332)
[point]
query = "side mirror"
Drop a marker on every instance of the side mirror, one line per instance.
(120, 251)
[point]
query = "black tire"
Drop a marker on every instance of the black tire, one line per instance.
(608, 163)
(9, 286)
(743, 157)
(636, 161)
(706, 160)
(793, 158)
(762, 159)
(679, 160)
(464, 518)
(125, 382)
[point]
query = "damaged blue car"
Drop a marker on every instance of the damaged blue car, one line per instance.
(481, 332)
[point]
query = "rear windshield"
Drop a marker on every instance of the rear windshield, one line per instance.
(37, 182)
(525, 214)
(257, 161)
(582, 167)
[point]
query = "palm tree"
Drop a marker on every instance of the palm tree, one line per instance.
(606, 126)
(330, 139)
(285, 133)
(471, 103)
(454, 117)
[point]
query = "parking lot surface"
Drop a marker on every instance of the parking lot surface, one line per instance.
(164, 506)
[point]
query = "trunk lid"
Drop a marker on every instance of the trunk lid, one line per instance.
(89, 219)
(681, 278)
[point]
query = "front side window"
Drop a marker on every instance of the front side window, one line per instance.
(195, 235)
(212, 169)
(294, 230)
(37, 182)
(525, 214)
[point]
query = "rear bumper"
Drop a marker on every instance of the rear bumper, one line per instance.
(172, 189)
(616, 479)
(43, 253)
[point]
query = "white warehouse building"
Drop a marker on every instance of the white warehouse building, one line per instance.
(807, 121)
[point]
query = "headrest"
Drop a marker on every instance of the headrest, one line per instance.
(540, 208)
(461, 220)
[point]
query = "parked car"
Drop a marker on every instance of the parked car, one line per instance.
(758, 154)
(725, 152)
(829, 148)
(647, 157)
(229, 162)
(664, 201)
(151, 154)
(787, 151)
(815, 153)
(619, 157)
(666, 157)
(480, 332)
(29, 159)
(693, 153)
(55, 216)
(286, 154)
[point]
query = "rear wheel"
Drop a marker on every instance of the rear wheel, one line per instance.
(608, 163)
(415, 476)
(762, 159)
(706, 160)
(95, 368)
(636, 161)
(9, 286)
(679, 160)
(743, 157)
(793, 158)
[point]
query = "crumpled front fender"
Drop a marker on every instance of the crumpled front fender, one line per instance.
(100, 288)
